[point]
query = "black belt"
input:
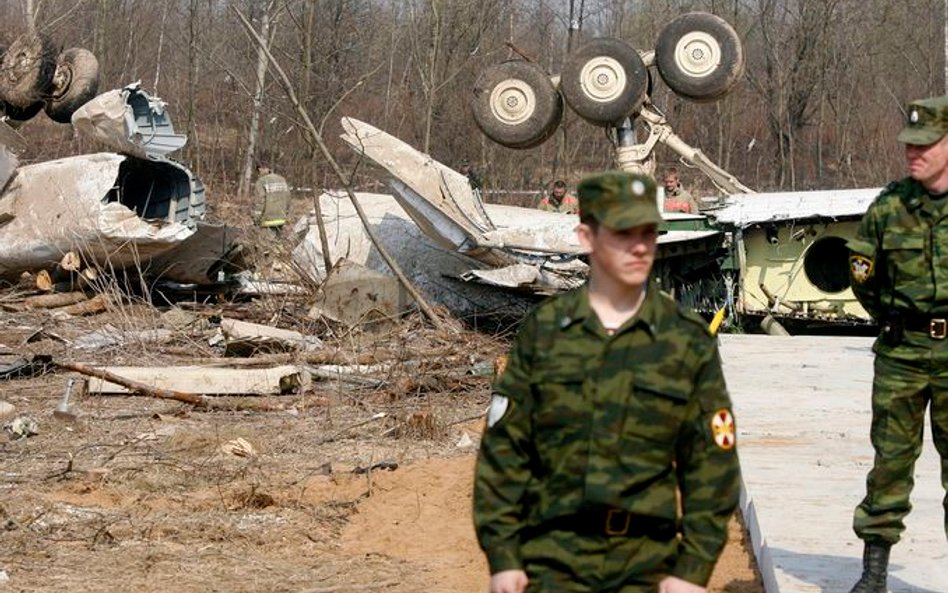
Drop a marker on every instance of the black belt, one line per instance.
(935, 327)
(612, 523)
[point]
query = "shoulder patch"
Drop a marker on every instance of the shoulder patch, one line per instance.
(722, 429)
(860, 268)
(498, 407)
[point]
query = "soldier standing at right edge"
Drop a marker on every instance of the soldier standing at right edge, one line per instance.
(613, 403)
(899, 269)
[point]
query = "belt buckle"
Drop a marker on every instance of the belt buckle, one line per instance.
(612, 514)
(938, 329)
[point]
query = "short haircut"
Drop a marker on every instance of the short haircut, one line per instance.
(671, 171)
(559, 183)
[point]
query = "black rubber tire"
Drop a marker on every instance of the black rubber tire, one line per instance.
(699, 56)
(515, 104)
(75, 82)
(26, 70)
(605, 81)
(21, 114)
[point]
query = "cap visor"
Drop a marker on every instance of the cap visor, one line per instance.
(919, 136)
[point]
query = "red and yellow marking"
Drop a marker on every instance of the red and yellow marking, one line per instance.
(722, 429)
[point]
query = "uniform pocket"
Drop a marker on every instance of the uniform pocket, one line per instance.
(905, 258)
(558, 399)
(656, 411)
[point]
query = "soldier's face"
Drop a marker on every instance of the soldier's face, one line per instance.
(559, 192)
(929, 164)
(624, 257)
(671, 182)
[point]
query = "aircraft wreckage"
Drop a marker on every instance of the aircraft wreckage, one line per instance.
(756, 255)
(777, 254)
(134, 207)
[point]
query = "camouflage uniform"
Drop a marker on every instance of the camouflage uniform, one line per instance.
(271, 201)
(900, 276)
(899, 273)
(590, 439)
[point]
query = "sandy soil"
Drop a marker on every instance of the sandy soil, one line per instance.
(142, 494)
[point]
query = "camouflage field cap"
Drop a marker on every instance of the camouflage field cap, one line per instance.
(619, 200)
(926, 121)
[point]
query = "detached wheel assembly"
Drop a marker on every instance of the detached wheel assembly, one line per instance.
(699, 56)
(604, 81)
(515, 104)
(26, 71)
(75, 82)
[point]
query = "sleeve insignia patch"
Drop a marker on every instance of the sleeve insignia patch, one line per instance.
(722, 429)
(498, 407)
(860, 267)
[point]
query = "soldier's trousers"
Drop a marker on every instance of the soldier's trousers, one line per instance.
(567, 562)
(902, 389)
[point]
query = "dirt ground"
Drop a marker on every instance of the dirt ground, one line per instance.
(343, 488)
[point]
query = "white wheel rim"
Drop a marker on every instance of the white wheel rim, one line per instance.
(698, 54)
(513, 101)
(602, 79)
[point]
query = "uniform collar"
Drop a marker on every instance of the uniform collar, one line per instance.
(579, 311)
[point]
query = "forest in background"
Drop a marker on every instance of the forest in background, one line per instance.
(818, 107)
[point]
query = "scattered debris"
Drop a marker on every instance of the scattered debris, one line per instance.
(7, 410)
(248, 338)
(65, 411)
(465, 442)
(239, 447)
(24, 367)
(386, 465)
(22, 427)
(354, 294)
(202, 380)
(110, 335)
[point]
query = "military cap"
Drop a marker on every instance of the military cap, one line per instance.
(926, 121)
(619, 200)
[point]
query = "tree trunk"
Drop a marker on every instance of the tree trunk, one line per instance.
(252, 134)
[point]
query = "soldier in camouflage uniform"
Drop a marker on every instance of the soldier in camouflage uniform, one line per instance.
(612, 405)
(899, 271)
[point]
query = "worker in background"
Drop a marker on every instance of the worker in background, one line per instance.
(559, 200)
(677, 198)
(271, 200)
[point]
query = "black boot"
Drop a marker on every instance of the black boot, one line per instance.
(875, 563)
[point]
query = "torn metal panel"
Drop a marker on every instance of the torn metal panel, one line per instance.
(355, 294)
(437, 198)
(431, 267)
(743, 210)
(129, 121)
(244, 337)
(114, 210)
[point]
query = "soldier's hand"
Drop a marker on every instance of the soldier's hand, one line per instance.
(676, 585)
(508, 581)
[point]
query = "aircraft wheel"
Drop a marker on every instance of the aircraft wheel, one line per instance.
(515, 104)
(699, 56)
(75, 82)
(604, 81)
(26, 70)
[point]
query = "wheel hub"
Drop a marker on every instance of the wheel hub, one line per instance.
(698, 54)
(512, 101)
(602, 79)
